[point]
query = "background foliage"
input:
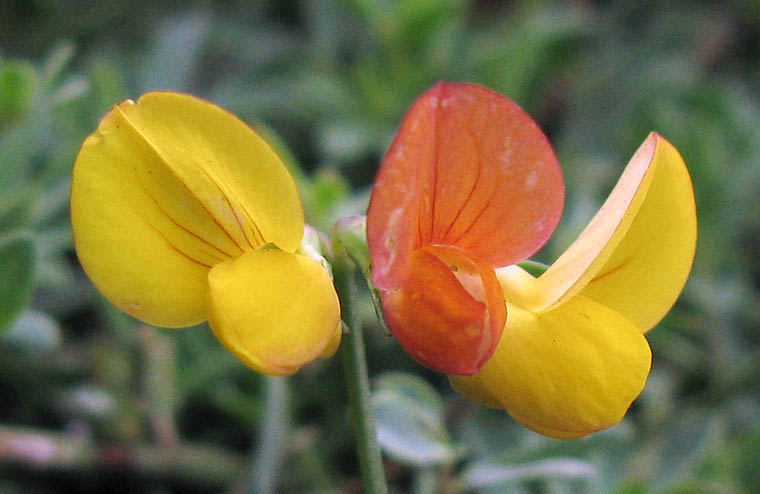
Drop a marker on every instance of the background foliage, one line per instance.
(93, 401)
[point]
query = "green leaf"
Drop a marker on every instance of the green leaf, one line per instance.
(17, 206)
(417, 21)
(34, 332)
(283, 151)
(487, 474)
(323, 197)
(18, 149)
(56, 63)
(409, 419)
(70, 90)
(176, 52)
(346, 139)
(18, 85)
(352, 235)
(516, 52)
(687, 442)
(407, 23)
(17, 262)
(330, 188)
(109, 84)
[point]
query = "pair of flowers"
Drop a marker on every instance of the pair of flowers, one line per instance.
(181, 213)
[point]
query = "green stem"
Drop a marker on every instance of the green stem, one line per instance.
(268, 457)
(159, 385)
(426, 481)
(357, 380)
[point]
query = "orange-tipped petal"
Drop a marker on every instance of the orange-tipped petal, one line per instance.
(450, 311)
(467, 168)
(564, 373)
(637, 252)
(647, 271)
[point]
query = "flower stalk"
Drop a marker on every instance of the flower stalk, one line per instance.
(268, 459)
(357, 381)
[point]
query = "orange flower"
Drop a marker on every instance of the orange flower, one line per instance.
(470, 187)
(470, 183)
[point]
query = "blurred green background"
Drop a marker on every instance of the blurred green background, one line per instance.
(92, 401)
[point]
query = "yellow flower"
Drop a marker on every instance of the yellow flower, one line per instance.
(182, 213)
(573, 355)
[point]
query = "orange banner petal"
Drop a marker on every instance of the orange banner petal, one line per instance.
(467, 168)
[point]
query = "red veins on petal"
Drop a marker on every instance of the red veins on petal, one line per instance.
(467, 168)
(470, 183)
(449, 312)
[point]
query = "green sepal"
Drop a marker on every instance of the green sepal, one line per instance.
(534, 268)
(351, 233)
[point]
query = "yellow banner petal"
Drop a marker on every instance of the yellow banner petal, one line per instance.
(162, 191)
(637, 252)
(143, 239)
(564, 373)
(235, 173)
(276, 311)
